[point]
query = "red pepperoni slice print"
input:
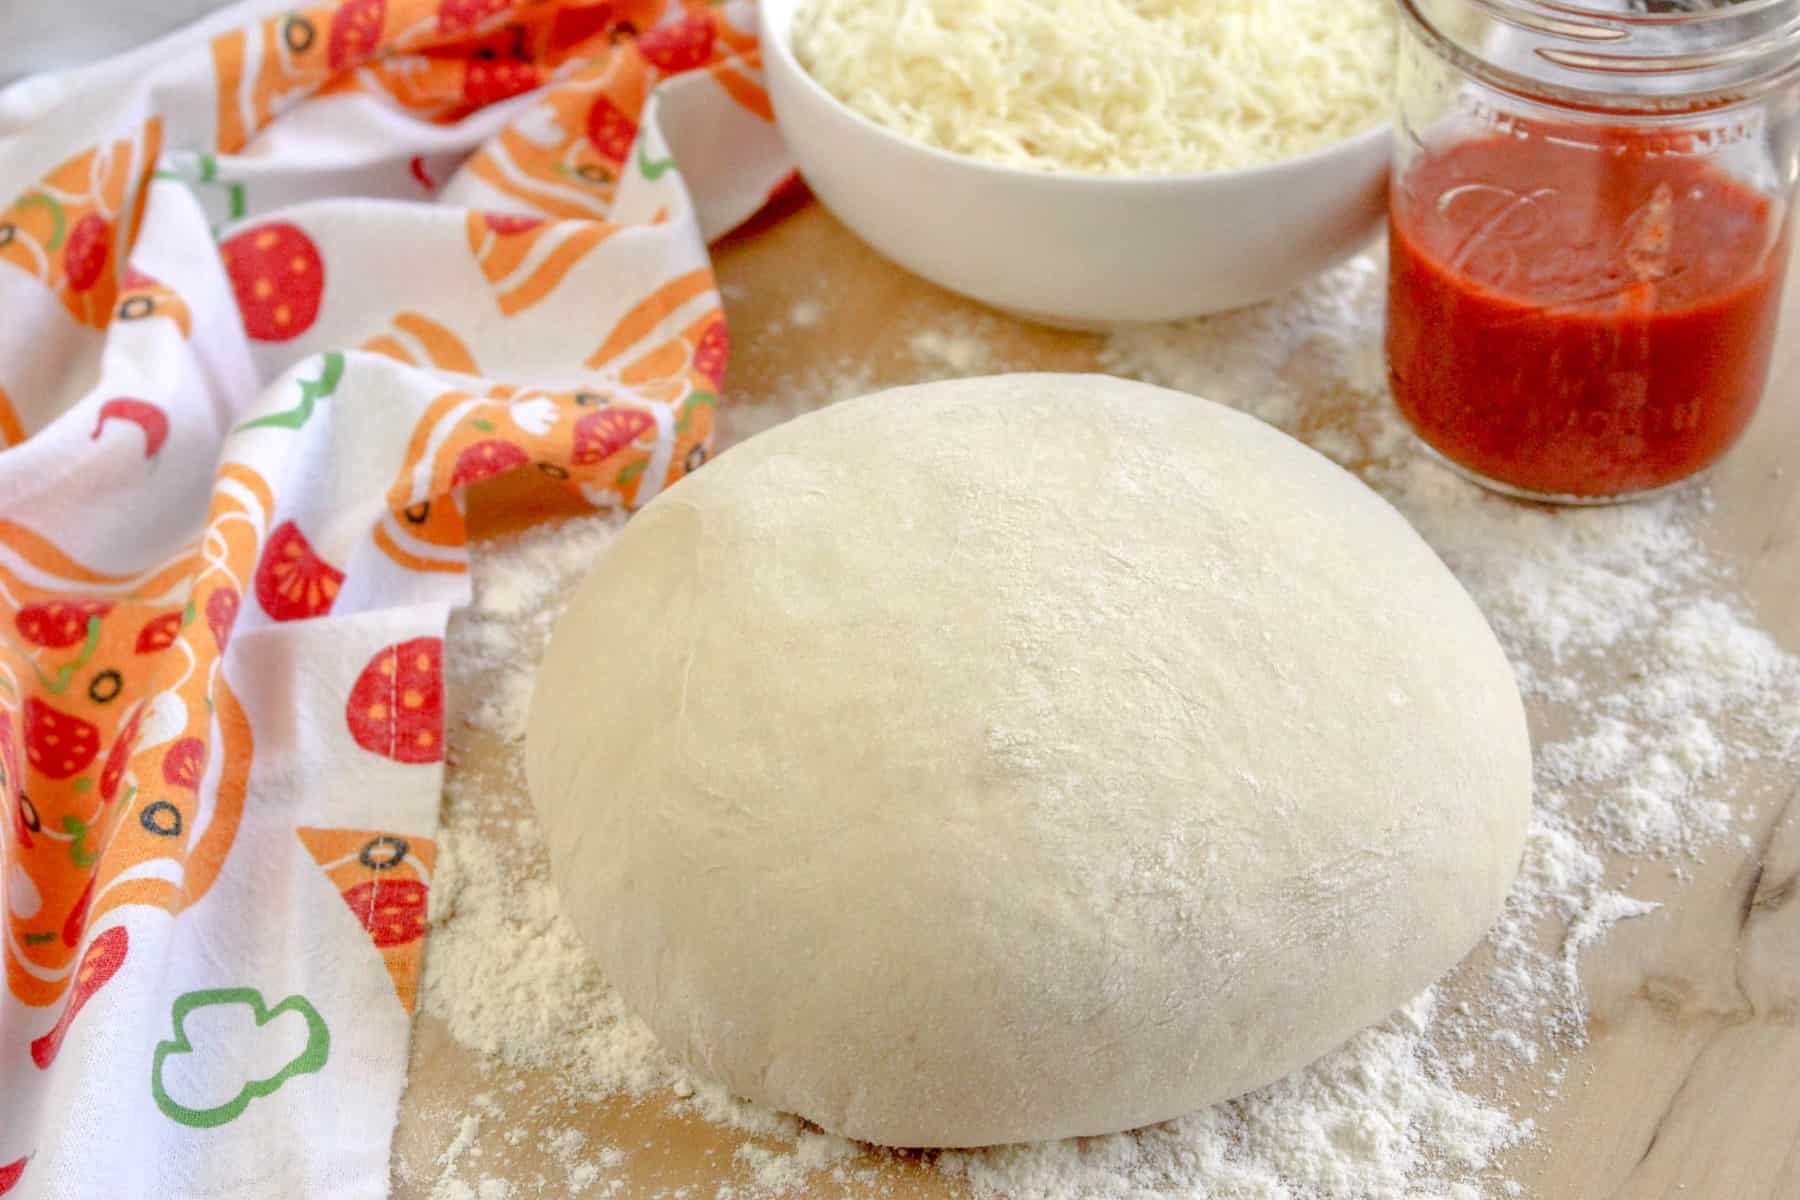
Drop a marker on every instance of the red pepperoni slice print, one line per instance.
(686, 44)
(490, 80)
(278, 278)
(609, 130)
(221, 614)
(102, 961)
(484, 460)
(396, 708)
(507, 224)
(57, 744)
(146, 416)
(119, 755)
(292, 582)
(76, 921)
(185, 763)
(456, 16)
(158, 633)
(392, 910)
(574, 26)
(355, 32)
(84, 257)
(711, 353)
(60, 622)
(600, 435)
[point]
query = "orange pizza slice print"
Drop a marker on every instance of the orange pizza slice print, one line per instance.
(524, 258)
(12, 430)
(143, 297)
(385, 879)
(73, 230)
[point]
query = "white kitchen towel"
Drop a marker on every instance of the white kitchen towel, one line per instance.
(273, 293)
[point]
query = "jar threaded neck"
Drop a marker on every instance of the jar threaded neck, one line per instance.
(1636, 57)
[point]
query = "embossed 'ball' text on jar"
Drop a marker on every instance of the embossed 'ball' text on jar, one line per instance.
(1589, 227)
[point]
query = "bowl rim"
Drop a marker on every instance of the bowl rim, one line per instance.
(778, 43)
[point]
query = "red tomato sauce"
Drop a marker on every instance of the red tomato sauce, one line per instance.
(1577, 321)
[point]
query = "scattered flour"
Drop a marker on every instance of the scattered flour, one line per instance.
(449, 1184)
(943, 352)
(1601, 915)
(1379, 1117)
(508, 974)
(953, 353)
(468, 1128)
(519, 593)
(1629, 763)
(785, 1169)
(826, 382)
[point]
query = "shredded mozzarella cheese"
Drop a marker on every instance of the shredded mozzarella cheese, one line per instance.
(1110, 87)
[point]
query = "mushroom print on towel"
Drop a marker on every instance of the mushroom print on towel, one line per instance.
(253, 366)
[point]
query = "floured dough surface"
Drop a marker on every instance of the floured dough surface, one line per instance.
(1023, 757)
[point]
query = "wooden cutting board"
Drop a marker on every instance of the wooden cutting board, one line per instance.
(1690, 1082)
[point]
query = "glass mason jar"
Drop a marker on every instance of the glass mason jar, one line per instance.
(1588, 234)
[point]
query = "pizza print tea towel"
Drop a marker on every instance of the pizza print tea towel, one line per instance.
(273, 293)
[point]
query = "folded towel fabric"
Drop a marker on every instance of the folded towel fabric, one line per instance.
(273, 294)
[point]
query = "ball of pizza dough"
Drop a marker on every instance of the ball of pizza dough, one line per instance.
(1023, 757)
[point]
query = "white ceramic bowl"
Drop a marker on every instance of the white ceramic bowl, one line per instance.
(1076, 250)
